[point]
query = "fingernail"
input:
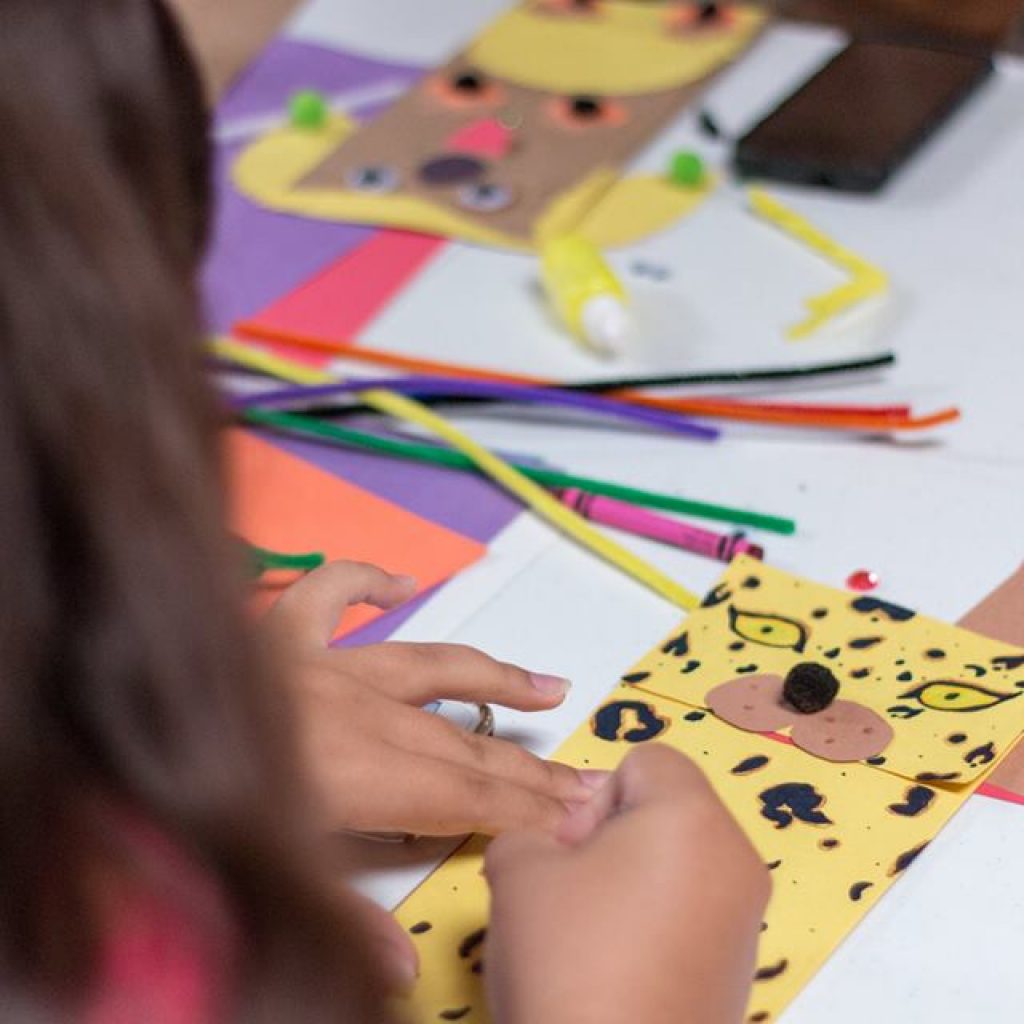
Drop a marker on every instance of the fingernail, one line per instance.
(550, 686)
(593, 779)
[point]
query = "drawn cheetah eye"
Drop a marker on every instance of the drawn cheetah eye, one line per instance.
(768, 630)
(377, 178)
(953, 695)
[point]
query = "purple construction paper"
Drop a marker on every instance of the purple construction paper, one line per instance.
(450, 497)
(256, 255)
(287, 66)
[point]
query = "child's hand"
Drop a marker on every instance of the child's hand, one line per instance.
(645, 906)
(377, 761)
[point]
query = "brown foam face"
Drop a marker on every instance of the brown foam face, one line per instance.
(753, 703)
(553, 148)
(844, 731)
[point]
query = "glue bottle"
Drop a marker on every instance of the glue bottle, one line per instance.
(586, 293)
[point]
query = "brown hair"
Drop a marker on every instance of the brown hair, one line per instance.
(127, 668)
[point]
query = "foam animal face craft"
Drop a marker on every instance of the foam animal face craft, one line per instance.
(842, 673)
(522, 135)
(928, 701)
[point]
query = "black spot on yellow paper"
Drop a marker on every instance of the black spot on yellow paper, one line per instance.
(904, 860)
(863, 643)
(750, 765)
(771, 971)
(984, 754)
(894, 612)
(636, 677)
(858, 889)
(793, 801)
(916, 801)
(716, 596)
(469, 944)
(678, 646)
(609, 722)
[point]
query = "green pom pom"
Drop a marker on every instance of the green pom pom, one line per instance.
(686, 169)
(308, 109)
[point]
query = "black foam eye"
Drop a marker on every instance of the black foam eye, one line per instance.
(469, 83)
(373, 178)
(585, 108)
(485, 198)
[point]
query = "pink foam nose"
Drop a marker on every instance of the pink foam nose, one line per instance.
(487, 137)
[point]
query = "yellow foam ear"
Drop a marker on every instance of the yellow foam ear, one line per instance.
(633, 208)
(269, 170)
(625, 50)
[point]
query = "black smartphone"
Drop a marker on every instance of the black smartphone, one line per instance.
(860, 117)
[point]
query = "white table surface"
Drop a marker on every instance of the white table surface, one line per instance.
(939, 519)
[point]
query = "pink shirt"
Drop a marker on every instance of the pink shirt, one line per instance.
(166, 955)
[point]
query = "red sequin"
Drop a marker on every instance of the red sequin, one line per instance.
(862, 580)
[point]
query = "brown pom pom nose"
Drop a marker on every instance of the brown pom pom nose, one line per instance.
(810, 687)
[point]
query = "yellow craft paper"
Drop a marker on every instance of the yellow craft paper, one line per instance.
(624, 49)
(836, 836)
(819, 868)
(774, 621)
(638, 207)
(866, 282)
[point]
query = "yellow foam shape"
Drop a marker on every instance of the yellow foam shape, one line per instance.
(867, 280)
(811, 910)
(638, 207)
(837, 836)
(625, 49)
(532, 495)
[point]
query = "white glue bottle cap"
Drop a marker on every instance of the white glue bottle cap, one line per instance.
(605, 323)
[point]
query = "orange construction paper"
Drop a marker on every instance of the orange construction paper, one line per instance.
(280, 502)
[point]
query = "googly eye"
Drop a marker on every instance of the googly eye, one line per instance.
(373, 178)
(585, 108)
(468, 83)
(581, 112)
(485, 198)
(464, 88)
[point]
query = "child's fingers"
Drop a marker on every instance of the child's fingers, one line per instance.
(650, 775)
(514, 849)
(308, 612)
(432, 797)
(420, 673)
(392, 947)
(655, 774)
(423, 733)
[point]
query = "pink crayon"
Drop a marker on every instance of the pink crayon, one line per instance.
(620, 515)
